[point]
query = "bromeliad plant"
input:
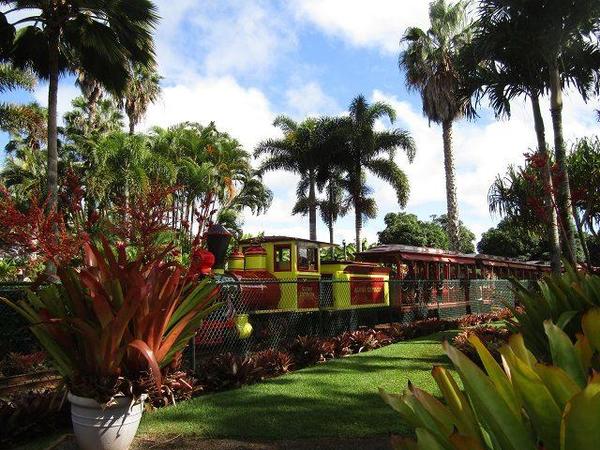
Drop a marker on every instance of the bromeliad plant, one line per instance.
(523, 405)
(563, 299)
(113, 320)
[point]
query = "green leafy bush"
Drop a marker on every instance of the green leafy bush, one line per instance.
(562, 299)
(525, 405)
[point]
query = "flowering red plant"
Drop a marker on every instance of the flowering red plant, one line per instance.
(39, 232)
(143, 218)
(114, 316)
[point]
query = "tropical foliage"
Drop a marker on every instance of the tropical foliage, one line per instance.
(563, 299)
(407, 229)
(98, 38)
(118, 315)
(523, 404)
(431, 61)
(518, 195)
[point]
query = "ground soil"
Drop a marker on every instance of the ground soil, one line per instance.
(188, 442)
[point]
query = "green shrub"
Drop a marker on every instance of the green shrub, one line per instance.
(562, 299)
(526, 405)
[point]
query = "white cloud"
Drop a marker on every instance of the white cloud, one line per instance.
(310, 100)
(482, 150)
(216, 38)
(66, 94)
(243, 112)
(377, 23)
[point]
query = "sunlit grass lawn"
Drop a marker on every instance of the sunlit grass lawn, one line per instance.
(338, 398)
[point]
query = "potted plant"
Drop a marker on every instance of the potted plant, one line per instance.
(113, 321)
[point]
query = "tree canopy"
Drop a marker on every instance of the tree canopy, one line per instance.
(408, 229)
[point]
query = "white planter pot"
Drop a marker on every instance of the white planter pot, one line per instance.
(111, 428)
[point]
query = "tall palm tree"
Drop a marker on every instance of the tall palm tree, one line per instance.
(296, 152)
(560, 25)
(539, 46)
(143, 89)
(431, 62)
(334, 133)
(100, 38)
(366, 152)
(501, 68)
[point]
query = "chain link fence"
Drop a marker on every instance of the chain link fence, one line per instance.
(260, 314)
(256, 315)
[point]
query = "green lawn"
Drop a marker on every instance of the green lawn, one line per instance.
(338, 398)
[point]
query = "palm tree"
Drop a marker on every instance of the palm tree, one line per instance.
(297, 152)
(336, 203)
(560, 25)
(16, 118)
(100, 38)
(366, 151)
(535, 47)
(334, 142)
(142, 90)
(431, 63)
(23, 173)
(501, 68)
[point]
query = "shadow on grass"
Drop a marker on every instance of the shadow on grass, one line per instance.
(339, 398)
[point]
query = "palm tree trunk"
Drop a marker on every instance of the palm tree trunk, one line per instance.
(564, 190)
(330, 224)
(52, 178)
(331, 239)
(357, 225)
(452, 203)
(581, 235)
(131, 127)
(312, 207)
(548, 188)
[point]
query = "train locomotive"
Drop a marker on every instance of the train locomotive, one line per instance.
(276, 287)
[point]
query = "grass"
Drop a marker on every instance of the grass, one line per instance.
(335, 399)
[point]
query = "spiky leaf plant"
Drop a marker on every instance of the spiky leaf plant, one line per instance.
(523, 404)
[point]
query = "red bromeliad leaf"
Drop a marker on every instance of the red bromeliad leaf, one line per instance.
(171, 338)
(147, 353)
(100, 299)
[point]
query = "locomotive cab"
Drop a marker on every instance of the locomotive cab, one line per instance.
(294, 262)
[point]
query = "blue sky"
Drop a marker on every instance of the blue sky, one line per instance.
(242, 63)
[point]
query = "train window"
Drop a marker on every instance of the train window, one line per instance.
(308, 258)
(283, 258)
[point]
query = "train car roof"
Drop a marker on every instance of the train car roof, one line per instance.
(265, 239)
(389, 252)
(410, 252)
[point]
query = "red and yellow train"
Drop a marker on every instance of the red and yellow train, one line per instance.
(268, 278)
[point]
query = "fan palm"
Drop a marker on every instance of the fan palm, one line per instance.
(431, 62)
(367, 150)
(99, 37)
(143, 89)
(297, 152)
